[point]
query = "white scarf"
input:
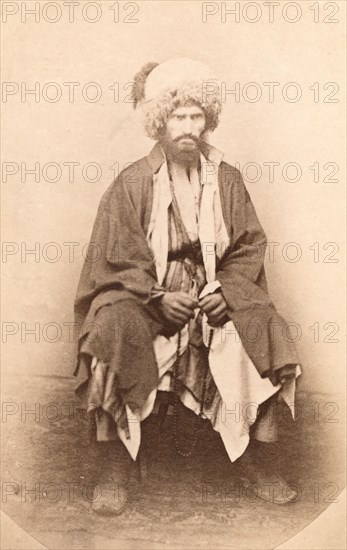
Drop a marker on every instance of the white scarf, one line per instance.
(212, 232)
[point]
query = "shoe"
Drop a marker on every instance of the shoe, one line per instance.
(109, 500)
(273, 489)
(111, 494)
(262, 477)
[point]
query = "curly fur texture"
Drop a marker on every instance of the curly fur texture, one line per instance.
(157, 115)
(138, 93)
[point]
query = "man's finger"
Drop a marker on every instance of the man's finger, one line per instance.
(205, 300)
(219, 310)
(182, 312)
(175, 318)
(187, 300)
(210, 299)
(209, 306)
(182, 309)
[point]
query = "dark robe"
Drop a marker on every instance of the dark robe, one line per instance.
(119, 278)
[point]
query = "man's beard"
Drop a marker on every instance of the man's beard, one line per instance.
(180, 151)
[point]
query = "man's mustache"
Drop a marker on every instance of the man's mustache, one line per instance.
(187, 136)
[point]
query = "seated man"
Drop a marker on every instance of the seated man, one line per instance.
(174, 295)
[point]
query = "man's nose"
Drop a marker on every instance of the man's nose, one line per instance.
(188, 125)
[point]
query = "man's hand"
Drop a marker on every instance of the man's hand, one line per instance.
(178, 307)
(216, 309)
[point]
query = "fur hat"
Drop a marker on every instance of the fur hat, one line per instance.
(160, 88)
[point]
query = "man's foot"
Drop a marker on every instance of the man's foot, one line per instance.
(262, 478)
(111, 496)
(271, 488)
(110, 499)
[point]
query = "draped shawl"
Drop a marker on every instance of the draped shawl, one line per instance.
(120, 265)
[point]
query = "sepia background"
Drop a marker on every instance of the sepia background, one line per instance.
(303, 219)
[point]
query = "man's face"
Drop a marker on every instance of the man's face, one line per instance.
(184, 130)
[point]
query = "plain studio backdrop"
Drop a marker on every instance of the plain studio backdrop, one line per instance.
(95, 134)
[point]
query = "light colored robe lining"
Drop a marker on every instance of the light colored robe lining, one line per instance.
(240, 388)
